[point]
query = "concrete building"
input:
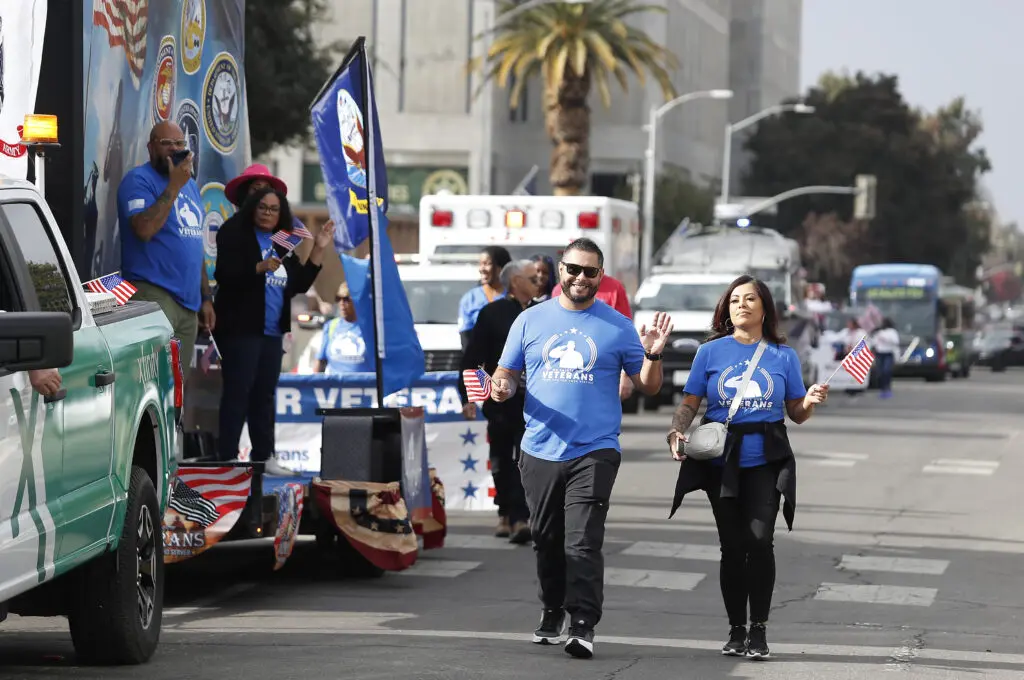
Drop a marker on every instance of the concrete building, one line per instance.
(441, 131)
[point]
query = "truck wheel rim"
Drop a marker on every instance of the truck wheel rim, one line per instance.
(145, 574)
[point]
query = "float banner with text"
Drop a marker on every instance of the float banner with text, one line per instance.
(457, 448)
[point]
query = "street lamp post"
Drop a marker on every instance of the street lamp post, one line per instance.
(732, 128)
(650, 169)
(486, 109)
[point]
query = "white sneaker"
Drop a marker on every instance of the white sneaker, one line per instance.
(273, 468)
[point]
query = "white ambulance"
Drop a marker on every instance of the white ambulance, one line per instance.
(533, 225)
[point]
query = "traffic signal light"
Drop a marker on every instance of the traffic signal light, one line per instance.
(864, 200)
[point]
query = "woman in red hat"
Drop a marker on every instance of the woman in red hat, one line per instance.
(256, 176)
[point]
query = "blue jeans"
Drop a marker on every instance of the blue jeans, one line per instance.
(886, 361)
(250, 368)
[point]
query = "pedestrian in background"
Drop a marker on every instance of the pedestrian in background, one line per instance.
(546, 283)
(573, 350)
(342, 347)
(492, 259)
(757, 468)
(885, 343)
(161, 216)
(255, 286)
(505, 423)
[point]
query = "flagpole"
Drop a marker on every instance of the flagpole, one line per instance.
(862, 338)
(369, 147)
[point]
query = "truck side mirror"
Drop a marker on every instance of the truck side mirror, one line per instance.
(35, 340)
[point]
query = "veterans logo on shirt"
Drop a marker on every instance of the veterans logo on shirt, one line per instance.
(759, 390)
(569, 356)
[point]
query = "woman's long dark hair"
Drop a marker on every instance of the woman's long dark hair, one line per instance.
(552, 272)
(721, 324)
(247, 213)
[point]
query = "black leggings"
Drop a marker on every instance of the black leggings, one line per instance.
(746, 528)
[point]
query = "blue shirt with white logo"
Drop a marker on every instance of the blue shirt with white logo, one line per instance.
(343, 348)
(717, 373)
(173, 258)
(573, 361)
(277, 281)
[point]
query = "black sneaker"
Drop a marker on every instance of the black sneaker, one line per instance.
(737, 644)
(581, 641)
(757, 642)
(549, 631)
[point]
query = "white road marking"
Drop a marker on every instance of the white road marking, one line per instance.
(898, 565)
(299, 622)
(679, 551)
(649, 578)
(876, 594)
(833, 459)
(439, 568)
(961, 466)
(210, 600)
(477, 542)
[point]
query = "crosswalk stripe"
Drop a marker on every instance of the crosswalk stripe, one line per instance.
(439, 568)
(679, 551)
(649, 578)
(477, 542)
(876, 594)
(898, 565)
(961, 466)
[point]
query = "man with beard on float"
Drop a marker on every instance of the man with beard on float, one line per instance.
(573, 349)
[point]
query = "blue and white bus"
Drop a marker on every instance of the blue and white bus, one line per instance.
(910, 295)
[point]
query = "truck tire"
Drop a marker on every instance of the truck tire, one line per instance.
(118, 607)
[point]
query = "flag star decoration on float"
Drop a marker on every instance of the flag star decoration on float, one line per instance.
(468, 463)
(469, 437)
(470, 491)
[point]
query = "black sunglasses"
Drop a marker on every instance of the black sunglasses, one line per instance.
(577, 269)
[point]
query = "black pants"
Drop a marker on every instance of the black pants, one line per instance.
(504, 439)
(569, 503)
(746, 530)
(250, 368)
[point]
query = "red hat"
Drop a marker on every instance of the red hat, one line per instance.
(254, 171)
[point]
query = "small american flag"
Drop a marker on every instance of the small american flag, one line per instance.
(858, 362)
(209, 356)
(206, 495)
(290, 239)
(113, 284)
(478, 384)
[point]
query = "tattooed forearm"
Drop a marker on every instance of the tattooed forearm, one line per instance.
(685, 414)
(151, 220)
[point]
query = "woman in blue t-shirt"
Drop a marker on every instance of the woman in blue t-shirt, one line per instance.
(492, 260)
(256, 281)
(747, 482)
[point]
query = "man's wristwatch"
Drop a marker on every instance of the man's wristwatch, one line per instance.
(652, 357)
(207, 297)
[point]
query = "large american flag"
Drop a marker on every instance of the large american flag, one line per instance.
(858, 362)
(478, 384)
(125, 22)
(205, 495)
(113, 284)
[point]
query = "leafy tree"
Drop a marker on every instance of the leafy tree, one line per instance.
(51, 287)
(927, 168)
(284, 68)
(574, 48)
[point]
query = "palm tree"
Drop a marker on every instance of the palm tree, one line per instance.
(573, 47)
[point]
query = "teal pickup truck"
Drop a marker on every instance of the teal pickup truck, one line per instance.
(85, 471)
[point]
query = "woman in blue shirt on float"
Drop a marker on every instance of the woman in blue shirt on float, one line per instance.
(255, 286)
(757, 469)
(492, 260)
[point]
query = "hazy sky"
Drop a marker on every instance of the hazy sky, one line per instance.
(939, 49)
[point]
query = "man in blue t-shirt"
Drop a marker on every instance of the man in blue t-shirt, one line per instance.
(342, 348)
(573, 349)
(161, 223)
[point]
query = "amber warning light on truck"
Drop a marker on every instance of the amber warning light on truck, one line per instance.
(39, 129)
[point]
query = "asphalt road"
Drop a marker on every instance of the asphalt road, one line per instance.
(905, 557)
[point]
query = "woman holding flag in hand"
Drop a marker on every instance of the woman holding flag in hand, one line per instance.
(256, 281)
(752, 381)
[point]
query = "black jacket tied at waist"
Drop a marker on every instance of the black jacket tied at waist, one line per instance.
(697, 474)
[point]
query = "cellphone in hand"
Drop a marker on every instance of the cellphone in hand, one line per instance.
(680, 445)
(178, 157)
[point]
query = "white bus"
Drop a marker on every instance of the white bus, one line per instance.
(533, 225)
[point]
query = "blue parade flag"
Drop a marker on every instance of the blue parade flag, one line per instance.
(344, 117)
